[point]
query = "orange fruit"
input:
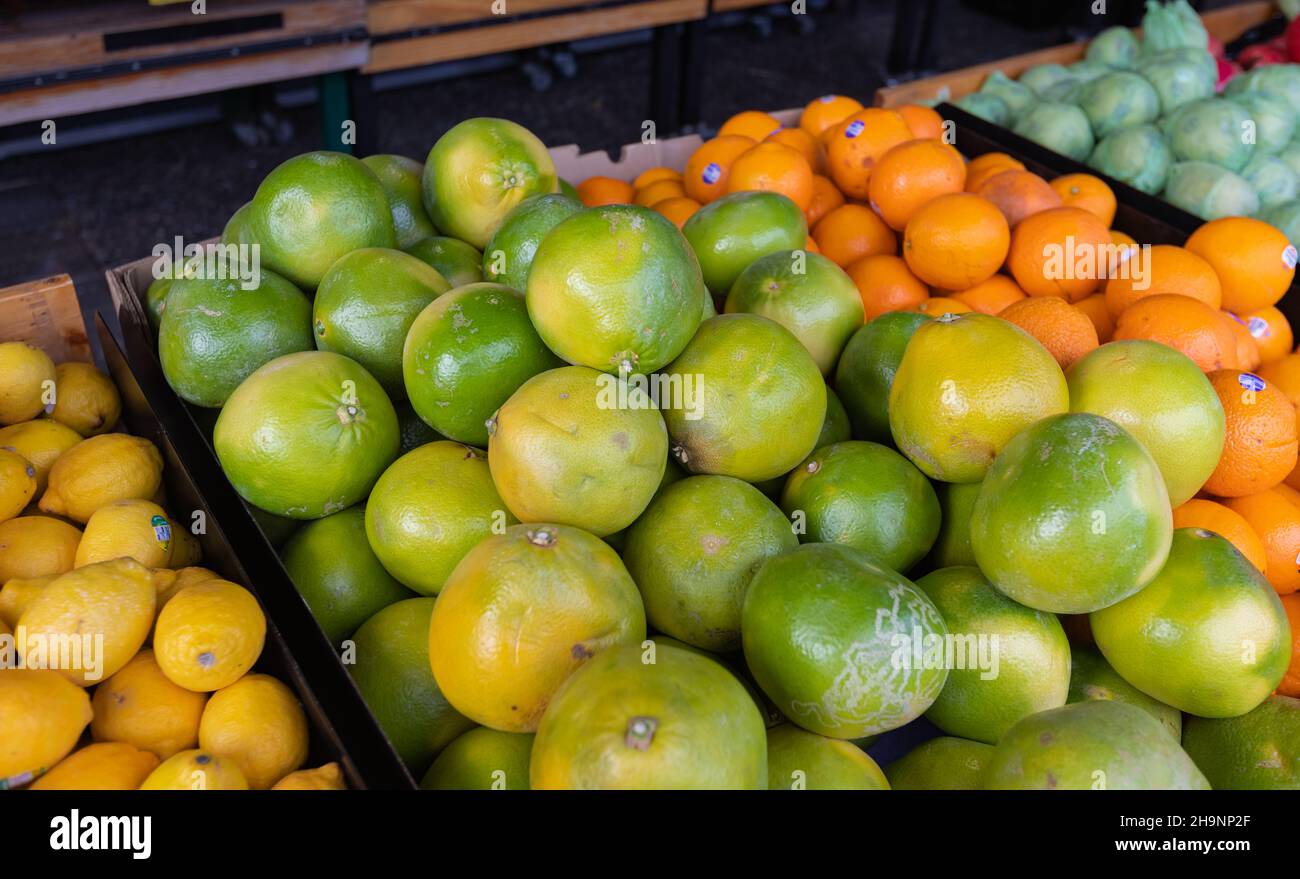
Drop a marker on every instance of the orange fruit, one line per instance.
(825, 198)
(991, 296)
(753, 124)
(1284, 374)
(938, 306)
(1065, 331)
(1018, 194)
(852, 231)
(1246, 353)
(654, 175)
(597, 191)
(1277, 522)
(705, 177)
(801, 142)
(1288, 492)
(983, 167)
(679, 209)
(1254, 261)
(1290, 685)
(811, 246)
(1094, 307)
(1165, 268)
(956, 241)
(1259, 446)
(1059, 252)
(1230, 525)
(885, 284)
(773, 167)
(658, 191)
(923, 121)
(1184, 324)
(827, 112)
(1271, 331)
(1126, 247)
(911, 175)
(1087, 192)
(858, 142)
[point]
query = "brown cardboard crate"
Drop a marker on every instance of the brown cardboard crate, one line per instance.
(45, 313)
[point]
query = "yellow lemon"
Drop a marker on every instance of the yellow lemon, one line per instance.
(103, 766)
(196, 770)
(327, 777)
(101, 470)
(169, 582)
(209, 635)
(40, 442)
(27, 382)
(90, 621)
(85, 399)
(37, 546)
(141, 707)
(185, 547)
(137, 529)
(17, 483)
(41, 718)
(17, 594)
(258, 723)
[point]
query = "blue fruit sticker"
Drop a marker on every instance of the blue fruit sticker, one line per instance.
(855, 128)
(1258, 327)
(1250, 381)
(162, 531)
(712, 172)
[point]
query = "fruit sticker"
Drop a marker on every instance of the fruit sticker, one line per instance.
(855, 128)
(1289, 256)
(1257, 326)
(1250, 382)
(162, 531)
(712, 172)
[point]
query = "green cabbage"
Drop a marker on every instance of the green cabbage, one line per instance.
(1213, 130)
(1282, 80)
(1041, 77)
(1209, 191)
(1118, 100)
(1172, 26)
(1061, 127)
(1272, 178)
(1137, 156)
(1017, 97)
(1275, 123)
(1087, 71)
(1291, 155)
(985, 106)
(1177, 79)
(1115, 47)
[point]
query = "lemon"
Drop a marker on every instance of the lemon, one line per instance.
(17, 594)
(85, 399)
(96, 617)
(327, 777)
(41, 718)
(17, 483)
(37, 546)
(104, 766)
(258, 723)
(169, 582)
(101, 470)
(196, 770)
(41, 442)
(185, 547)
(27, 379)
(135, 529)
(209, 635)
(139, 706)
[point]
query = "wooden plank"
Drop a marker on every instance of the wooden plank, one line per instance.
(46, 314)
(393, 16)
(72, 98)
(1227, 24)
(736, 5)
(510, 36)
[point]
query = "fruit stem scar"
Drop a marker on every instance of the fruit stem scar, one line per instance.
(641, 732)
(543, 537)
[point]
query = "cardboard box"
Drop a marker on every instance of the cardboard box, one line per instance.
(46, 314)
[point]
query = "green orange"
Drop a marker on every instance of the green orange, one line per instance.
(482, 759)
(728, 234)
(1091, 677)
(944, 763)
(237, 229)
(800, 760)
(509, 253)
(1072, 517)
(401, 179)
(466, 353)
(458, 262)
(1208, 635)
(866, 370)
(956, 504)
(1260, 750)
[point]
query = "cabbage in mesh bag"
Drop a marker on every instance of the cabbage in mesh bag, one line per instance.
(1018, 98)
(1209, 191)
(1138, 156)
(1041, 77)
(1172, 26)
(1061, 127)
(1275, 123)
(1273, 179)
(1118, 100)
(1215, 130)
(985, 106)
(1282, 80)
(1116, 47)
(1177, 79)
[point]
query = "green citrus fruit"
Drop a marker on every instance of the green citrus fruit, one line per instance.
(458, 262)
(365, 305)
(807, 294)
(478, 171)
(743, 371)
(238, 229)
(1009, 661)
(835, 426)
(392, 673)
(1072, 517)
(337, 573)
(155, 300)
(1163, 399)
(521, 612)
(615, 288)
(728, 234)
(1208, 635)
(215, 332)
(966, 385)
(306, 435)
(509, 253)
(1259, 750)
(945, 763)
(415, 432)
(482, 759)
(693, 552)
(827, 633)
(565, 448)
(1099, 745)
(867, 496)
(313, 209)
(1091, 677)
(430, 508)
(866, 371)
(800, 760)
(466, 353)
(276, 529)
(733, 662)
(567, 188)
(401, 179)
(620, 722)
(956, 503)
